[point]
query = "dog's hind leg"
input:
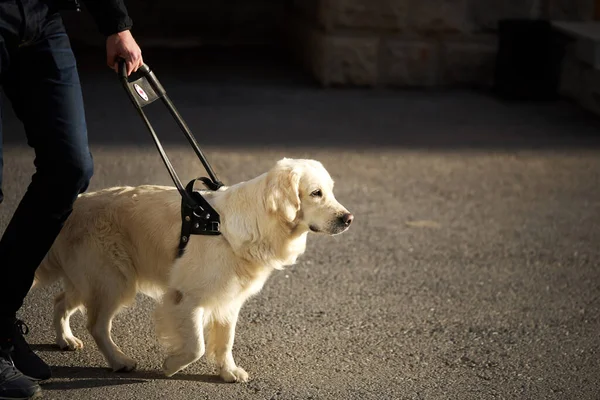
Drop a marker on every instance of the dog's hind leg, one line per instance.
(220, 336)
(179, 324)
(65, 304)
(100, 316)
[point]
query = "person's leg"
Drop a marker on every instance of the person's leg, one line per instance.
(10, 26)
(43, 86)
(13, 384)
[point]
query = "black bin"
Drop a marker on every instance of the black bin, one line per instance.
(528, 61)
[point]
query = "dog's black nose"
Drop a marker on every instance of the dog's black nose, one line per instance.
(347, 219)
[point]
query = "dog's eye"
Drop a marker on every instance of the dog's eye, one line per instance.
(317, 193)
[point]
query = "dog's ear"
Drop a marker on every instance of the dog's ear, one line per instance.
(283, 185)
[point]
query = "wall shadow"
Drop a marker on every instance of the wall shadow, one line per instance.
(258, 97)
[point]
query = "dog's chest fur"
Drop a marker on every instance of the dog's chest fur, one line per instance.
(252, 285)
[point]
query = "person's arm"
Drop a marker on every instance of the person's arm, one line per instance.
(111, 16)
(114, 23)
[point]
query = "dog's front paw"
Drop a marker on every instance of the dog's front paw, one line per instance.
(123, 364)
(172, 365)
(69, 343)
(236, 374)
(178, 361)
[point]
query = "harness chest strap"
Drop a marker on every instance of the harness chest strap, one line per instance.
(197, 219)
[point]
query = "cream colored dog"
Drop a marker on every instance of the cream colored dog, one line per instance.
(121, 241)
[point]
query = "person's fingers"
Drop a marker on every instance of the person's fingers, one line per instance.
(135, 61)
(138, 60)
(113, 61)
(130, 65)
(140, 63)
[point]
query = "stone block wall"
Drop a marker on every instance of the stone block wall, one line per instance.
(572, 10)
(396, 43)
(580, 82)
(410, 43)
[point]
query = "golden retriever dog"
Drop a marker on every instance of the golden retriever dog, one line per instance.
(121, 241)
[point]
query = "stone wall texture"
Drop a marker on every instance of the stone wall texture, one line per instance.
(411, 43)
(404, 43)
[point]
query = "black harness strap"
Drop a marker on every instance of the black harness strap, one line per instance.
(198, 218)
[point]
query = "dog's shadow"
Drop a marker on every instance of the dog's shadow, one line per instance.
(46, 347)
(69, 378)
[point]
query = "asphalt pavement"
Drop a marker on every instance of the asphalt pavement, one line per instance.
(471, 270)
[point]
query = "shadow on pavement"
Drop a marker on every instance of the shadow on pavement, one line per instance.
(89, 377)
(88, 383)
(45, 347)
(257, 98)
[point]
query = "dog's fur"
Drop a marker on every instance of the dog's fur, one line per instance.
(121, 241)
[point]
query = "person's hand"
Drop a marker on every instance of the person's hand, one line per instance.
(123, 45)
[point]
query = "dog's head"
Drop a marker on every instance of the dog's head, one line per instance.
(300, 193)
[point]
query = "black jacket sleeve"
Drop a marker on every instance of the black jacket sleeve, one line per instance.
(110, 15)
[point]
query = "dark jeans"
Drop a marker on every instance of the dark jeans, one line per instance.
(39, 76)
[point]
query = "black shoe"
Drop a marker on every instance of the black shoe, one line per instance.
(24, 358)
(13, 384)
